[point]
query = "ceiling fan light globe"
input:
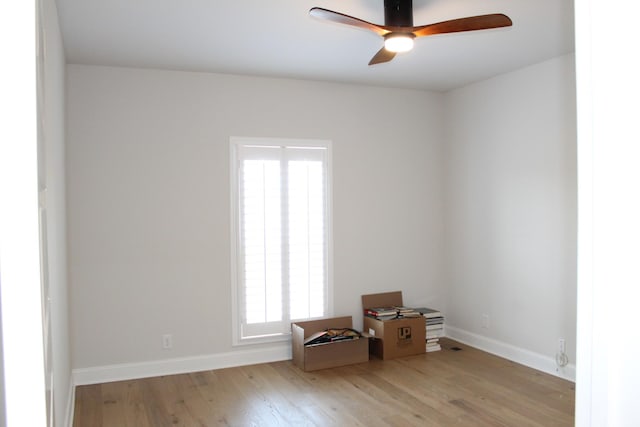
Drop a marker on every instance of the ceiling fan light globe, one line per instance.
(399, 43)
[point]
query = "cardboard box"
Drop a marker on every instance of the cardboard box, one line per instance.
(328, 355)
(393, 338)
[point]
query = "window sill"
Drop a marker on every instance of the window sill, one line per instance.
(269, 339)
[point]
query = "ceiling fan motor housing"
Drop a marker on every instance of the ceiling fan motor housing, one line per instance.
(398, 13)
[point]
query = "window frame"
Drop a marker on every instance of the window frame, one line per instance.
(236, 142)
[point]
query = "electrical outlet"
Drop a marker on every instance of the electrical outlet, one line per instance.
(167, 341)
(486, 321)
(561, 357)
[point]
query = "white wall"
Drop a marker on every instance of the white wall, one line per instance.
(3, 409)
(511, 213)
(608, 374)
(22, 339)
(149, 215)
(54, 171)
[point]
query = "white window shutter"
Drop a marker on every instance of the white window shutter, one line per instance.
(282, 234)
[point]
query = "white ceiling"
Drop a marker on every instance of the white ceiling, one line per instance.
(278, 38)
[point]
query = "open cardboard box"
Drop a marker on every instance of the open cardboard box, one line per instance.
(327, 355)
(393, 338)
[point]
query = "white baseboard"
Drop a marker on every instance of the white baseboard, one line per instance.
(128, 371)
(71, 405)
(516, 354)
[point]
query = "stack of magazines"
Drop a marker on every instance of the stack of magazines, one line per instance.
(435, 327)
(381, 313)
(331, 335)
(388, 313)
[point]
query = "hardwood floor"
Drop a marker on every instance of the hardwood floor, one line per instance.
(445, 388)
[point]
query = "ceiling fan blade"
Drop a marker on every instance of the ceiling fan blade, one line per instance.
(340, 18)
(472, 23)
(383, 55)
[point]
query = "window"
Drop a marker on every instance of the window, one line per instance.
(281, 241)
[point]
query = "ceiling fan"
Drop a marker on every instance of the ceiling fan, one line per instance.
(398, 30)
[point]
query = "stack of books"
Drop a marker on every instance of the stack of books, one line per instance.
(435, 327)
(381, 313)
(407, 312)
(388, 313)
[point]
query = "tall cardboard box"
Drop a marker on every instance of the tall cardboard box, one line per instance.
(327, 355)
(390, 339)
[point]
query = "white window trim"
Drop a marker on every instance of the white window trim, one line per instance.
(236, 141)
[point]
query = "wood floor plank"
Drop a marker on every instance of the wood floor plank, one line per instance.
(114, 403)
(88, 406)
(446, 388)
(135, 412)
